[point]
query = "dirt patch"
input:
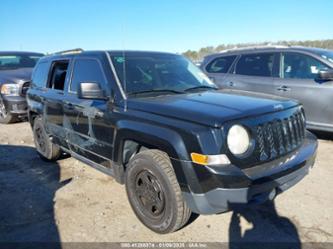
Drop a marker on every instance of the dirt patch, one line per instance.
(69, 201)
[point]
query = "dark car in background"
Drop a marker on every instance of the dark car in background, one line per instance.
(15, 74)
(301, 73)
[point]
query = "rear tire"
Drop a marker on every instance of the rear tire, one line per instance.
(5, 116)
(45, 148)
(154, 193)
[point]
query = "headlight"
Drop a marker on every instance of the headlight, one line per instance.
(238, 140)
(10, 89)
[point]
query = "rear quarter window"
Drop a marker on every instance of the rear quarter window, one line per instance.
(40, 74)
(220, 65)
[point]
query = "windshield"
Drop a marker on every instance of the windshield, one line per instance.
(154, 73)
(12, 61)
(327, 55)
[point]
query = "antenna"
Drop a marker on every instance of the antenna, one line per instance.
(124, 70)
(124, 61)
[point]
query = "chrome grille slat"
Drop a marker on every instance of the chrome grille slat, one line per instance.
(292, 121)
(261, 143)
(271, 144)
(287, 134)
(280, 137)
(299, 138)
(292, 134)
(300, 126)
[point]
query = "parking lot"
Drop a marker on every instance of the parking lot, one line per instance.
(68, 201)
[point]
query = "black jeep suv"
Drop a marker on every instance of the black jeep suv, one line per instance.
(155, 122)
(15, 74)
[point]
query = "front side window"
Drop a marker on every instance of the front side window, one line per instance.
(220, 65)
(256, 64)
(326, 54)
(13, 61)
(86, 71)
(300, 66)
(40, 74)
(159, 73)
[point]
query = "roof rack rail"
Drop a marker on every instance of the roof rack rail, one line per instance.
(70, 51)
(254, 47)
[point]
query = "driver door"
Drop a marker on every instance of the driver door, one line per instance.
(298, 74)
(89, 130)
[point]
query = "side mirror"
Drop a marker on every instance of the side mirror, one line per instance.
(325, 75)
(90, 90)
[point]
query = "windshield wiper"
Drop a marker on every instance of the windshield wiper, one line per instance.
(200, 87)
(156, 91)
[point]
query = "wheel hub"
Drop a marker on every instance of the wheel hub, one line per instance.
(40, 139)
(150, 194)
(3, 112)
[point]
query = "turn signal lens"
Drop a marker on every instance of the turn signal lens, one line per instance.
(200, 159)
(210, 159)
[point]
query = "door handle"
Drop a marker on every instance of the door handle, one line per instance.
(231, 83)
(283, 88)
(69, 105)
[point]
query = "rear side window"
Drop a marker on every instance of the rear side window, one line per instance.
(87, 71)
(256, 64)
(58, 75)
(220, 65)
(39, 77)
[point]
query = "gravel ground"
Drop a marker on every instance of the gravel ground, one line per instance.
(70, 202)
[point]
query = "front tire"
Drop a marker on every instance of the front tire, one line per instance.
(45, 148)
(154, 193)
(5, 116)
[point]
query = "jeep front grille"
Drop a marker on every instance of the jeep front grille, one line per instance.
(279, 137)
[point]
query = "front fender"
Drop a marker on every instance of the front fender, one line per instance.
(152, 136)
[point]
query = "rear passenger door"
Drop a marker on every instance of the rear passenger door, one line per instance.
(253, 72)
(88, 121)
(298, 73)
(52, 98)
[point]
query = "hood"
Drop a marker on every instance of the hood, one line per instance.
(212, 108)
(15, 75)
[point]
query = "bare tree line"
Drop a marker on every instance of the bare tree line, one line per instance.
(198, 55)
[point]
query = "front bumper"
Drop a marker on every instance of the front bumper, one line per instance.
(245, 186)
(16, 105)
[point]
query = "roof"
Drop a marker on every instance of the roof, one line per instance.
(263, 47)
(78, 52)
(310, 49)
(138, 52)
(19, 53)
(270, 48)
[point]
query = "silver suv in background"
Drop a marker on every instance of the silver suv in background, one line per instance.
(301, 73)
